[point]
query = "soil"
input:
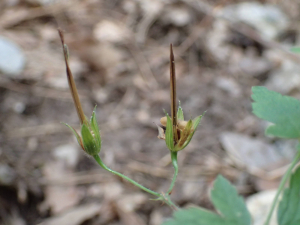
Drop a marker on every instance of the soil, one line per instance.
(119, 55)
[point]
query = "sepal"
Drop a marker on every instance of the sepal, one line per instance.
(79, 140)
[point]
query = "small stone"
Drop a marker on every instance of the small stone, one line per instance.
(59, 198)
(216, 41)
(255, 66)
(32, 143)
(177, 15)
(100, 95)
(259, 206)
(191, 190)
(109, 31)
(269, 20)
(254, 154)
(75, 216)
(151, 7)
(156, 218)
(44, 2)
(11, 3)
(112, 190)
(129, 203)
(95, 190)
(12, 60)
(129, 6)
(285, 79)
(143, 116)
(69, 154)
(7, 174)
(228, 85)
(19, 107)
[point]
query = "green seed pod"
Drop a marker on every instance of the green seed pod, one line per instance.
(90, 140)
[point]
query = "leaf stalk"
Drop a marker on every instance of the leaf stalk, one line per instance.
(282, 185)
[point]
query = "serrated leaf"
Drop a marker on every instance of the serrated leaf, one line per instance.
(231, 208)
(295, 50)
(281, 110)
(195, 216)
(289, 207)
(227, 201)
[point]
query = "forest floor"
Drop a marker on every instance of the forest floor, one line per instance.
(119, 55)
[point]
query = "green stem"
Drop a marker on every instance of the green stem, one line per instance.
(175, 165)
(169, 202)
(99, 161)
(281, 186)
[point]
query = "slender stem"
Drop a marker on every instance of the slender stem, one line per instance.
(281, 186)
(99, 161)
(175, 165)
(162, 197)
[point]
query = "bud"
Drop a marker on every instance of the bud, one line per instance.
(90, 140)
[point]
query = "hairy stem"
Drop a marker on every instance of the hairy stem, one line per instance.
(175, 165)
(281, 186)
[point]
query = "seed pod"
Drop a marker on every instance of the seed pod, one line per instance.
(185, 131)
(90, 140)
(181, 124)
(178, 132)
(163, 121)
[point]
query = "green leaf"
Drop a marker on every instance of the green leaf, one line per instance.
(180, 115)
(289, 207)
(95, 128)
(88, 141)
(295, 50)
(226, 199)
(231, 208)
(195, 216)
(169, 134)
(283, 111)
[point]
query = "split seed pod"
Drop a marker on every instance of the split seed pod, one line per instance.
(175, 130)
(185, 130)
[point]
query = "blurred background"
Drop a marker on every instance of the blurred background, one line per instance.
(119, 55)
